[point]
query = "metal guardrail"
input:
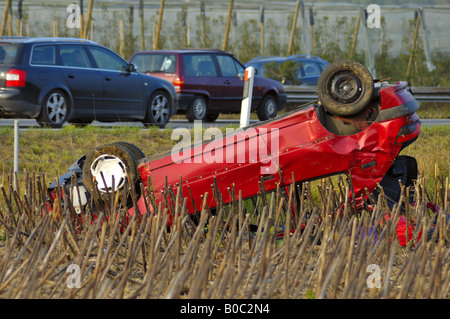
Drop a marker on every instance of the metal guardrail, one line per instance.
(301, 94)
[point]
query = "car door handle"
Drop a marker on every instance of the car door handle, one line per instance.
(71, 76)
(227, 82)
(108, 79)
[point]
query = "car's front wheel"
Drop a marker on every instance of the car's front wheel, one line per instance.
(158, 112)
(55, 109)
(197, 110)
(268, 108)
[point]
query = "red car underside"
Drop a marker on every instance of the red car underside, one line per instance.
(297, 146)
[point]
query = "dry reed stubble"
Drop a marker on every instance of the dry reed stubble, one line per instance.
(143, 258)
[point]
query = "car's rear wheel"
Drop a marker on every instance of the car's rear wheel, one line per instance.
(110, 167)
(197, 110)
(345, 88)
(158, 112)
(55, 109)
(268, 108)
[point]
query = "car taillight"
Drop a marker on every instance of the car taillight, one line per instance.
(178, 83)
(15, 78)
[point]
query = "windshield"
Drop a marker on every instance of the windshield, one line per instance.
(152, 63)
(8, 53)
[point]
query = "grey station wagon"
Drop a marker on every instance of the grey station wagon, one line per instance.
(55, 80)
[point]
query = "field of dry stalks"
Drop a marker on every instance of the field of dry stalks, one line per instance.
(236, 251)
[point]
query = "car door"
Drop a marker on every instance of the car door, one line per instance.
(201, 78)
(123, 91)
(232, 78)
(84, 81)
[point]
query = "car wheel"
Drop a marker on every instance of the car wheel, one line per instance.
(211, 117)
(110, 167)
(158, 112)
(197, 110)
(268, 108)
(55, 109)
(345, 88)
(136, 151)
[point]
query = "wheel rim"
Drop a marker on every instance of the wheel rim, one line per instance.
(56, 108)
(346, 87)
(270, 108)
(113, 170)
(199, 108)
(160, 109)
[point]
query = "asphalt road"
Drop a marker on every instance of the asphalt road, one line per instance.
(29, 123)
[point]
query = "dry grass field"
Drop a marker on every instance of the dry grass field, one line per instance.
(235, 252)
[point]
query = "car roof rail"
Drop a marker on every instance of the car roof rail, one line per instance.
(56, 39)
(12, 37)
(263, 57)
(42, 39)
(203, 49)
(305, 56)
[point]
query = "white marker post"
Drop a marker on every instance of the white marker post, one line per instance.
(246, 105)
(16, 154)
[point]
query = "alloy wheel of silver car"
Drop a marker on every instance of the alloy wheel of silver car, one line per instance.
(160, 108)
(56, 107)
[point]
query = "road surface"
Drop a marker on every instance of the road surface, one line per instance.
(175, 123)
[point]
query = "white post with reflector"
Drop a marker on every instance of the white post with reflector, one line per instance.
(246, 105)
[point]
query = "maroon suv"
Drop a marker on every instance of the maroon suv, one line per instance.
(210, 82)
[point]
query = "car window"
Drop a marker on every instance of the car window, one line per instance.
(322, 66)
(44, 55)
(107, 60)
(199, 65)
(8, 53)
(74, 55)
(310, 68)
(259, 68)
(165, 63)
(229, 66)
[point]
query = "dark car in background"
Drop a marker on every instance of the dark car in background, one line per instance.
(55, 80)
(291, 70)
(210, 82)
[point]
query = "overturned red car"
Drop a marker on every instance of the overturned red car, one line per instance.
(357, 127)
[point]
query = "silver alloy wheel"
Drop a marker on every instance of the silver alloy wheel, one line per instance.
(199, 108)
(270, 108)
(160, 108)
(56, 108)
(114, 172)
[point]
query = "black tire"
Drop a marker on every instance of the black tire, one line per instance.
(80, 122)
(345, 88)
(159, 109)
(122, 160)
(55, 109)
(211, 117)
(138, 154)
(268, 108)
(197, 110)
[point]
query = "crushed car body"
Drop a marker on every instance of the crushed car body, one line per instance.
(357, 128)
